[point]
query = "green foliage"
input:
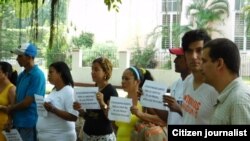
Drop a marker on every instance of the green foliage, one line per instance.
(246, 10)
(108, 50)
(40, 12)
(204, 13)
(5, 1)
(85, 39)
(113, 4)
(23, 9)
(10, 40)
(144, 57)
(56, 11)
(158, 31)
(168, 65)
(59, 50)
(246, 79)
(54, 54)
(178, 32)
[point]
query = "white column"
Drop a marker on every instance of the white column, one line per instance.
(76, 58)
(124, 59)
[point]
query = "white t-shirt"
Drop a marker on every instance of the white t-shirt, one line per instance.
(198, 104)
(176, 91)
(53, 127)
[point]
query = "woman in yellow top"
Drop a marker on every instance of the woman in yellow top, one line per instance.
(131, 79)
(7, 95)
(152, 123)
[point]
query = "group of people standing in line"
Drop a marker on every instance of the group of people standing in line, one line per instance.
(19, 108)
(209, 91)
(213, 93)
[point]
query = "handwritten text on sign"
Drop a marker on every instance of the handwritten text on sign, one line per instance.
(152, 95)
(87, 97)
(40, 108)
(13, 135)
(119, 109)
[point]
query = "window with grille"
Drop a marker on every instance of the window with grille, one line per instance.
(164, 6)
(241, 36)
(172, 5)
(175, 35)
(239, 4)
(165, 31)
(248, 40)
(239, 30)
(170, 18)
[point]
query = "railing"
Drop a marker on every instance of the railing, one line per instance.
(89, 56)
(245, 64)
(164, 60)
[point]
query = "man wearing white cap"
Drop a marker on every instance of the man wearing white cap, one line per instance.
(30, 81)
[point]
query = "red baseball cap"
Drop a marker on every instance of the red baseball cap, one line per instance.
(176, 51)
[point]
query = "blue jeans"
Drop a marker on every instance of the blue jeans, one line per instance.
(28, 134)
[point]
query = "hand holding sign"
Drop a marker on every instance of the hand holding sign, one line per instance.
(40, 108)
(100, 98)
(86, 96)
(119, 109)
(134, 110)
(171, 103)
(152, 95)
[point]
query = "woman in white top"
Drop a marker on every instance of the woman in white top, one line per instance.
(59, 124)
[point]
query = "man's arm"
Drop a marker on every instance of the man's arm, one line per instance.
(23, 104)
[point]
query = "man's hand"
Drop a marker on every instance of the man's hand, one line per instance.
(172, 104)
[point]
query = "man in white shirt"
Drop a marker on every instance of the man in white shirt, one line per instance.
(199, 98)
(176, 89)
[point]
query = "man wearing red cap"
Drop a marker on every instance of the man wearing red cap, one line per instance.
(176, 89)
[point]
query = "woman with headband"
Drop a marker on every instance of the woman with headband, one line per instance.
(150, 127)
(130, 83)
(133, 79)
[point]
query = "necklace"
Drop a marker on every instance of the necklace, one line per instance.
(100, 88)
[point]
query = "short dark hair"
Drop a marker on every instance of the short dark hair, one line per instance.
(227, 50)
(8, 71)
(194, 35)
(62, 67)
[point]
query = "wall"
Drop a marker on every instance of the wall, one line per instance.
(83, 74)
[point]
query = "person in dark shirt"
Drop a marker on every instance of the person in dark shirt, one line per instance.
(97, 126)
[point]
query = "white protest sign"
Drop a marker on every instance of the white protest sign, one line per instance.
(86, 96)
(153, 95)
(119, 109)
(13, 135)
(41, 111)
